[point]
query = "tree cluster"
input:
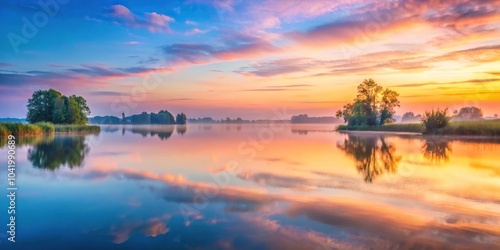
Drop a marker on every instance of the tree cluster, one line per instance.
(181, 119)
(372, 106)
(304, 118)
(52, 106)
(468, 114)
(410, 117)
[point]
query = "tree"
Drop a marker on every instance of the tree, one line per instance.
(410, 117)
(372, 106)
(41, 105)
(124, 120)
(83, 109)
(74, 114)
(60, 113)
(389, 103)
(51, 106)
(181, 118)
(163, 117)
(143, 118)
(469, 113)
(168, 117)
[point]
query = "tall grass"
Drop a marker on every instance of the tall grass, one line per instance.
(9, 128)
(22, 129)
(46, 127)
(3, 131)
(478, 128)
(77, 128)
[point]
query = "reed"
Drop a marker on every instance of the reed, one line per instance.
(22, 129)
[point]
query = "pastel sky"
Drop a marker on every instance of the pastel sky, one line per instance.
(246, 58)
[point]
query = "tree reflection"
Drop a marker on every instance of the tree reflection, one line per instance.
(181, 129)
(437, 149)
(59, 151)
(300, 131)
(373, 155)
(162, 132)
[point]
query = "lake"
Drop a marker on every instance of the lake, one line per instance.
(259, 186)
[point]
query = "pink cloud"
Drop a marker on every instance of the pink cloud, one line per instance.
(196, 31)
(122, 12)
(154, 22)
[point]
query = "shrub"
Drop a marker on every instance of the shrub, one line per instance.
(435, 120)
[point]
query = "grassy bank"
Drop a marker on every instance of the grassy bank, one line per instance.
(479, 128)
(469, 128)
(22, 129)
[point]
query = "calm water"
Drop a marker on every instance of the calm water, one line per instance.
(253, 187)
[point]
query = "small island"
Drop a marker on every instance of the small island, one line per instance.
(373, 109)
(49, 111)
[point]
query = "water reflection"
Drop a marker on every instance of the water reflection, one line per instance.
(211, 196)
(53, 152)
(181, 129)
(163, 132)
(304, 129)
(437, 149)
(110, 129)
(300, 131)
(23, 140)
(373, 155)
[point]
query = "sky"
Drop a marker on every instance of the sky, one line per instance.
(250, 58)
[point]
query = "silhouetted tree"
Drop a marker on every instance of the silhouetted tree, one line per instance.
(181, 118)
(105, 120)
(469, 113)
(372, 106)
(410, 117)
(143, 118)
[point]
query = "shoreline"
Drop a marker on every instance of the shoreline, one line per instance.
(446, 136)
(44, 128)
(464, 129)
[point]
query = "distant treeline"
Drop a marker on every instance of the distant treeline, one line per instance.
(162, 117)
(306, 119)
(21, 120)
